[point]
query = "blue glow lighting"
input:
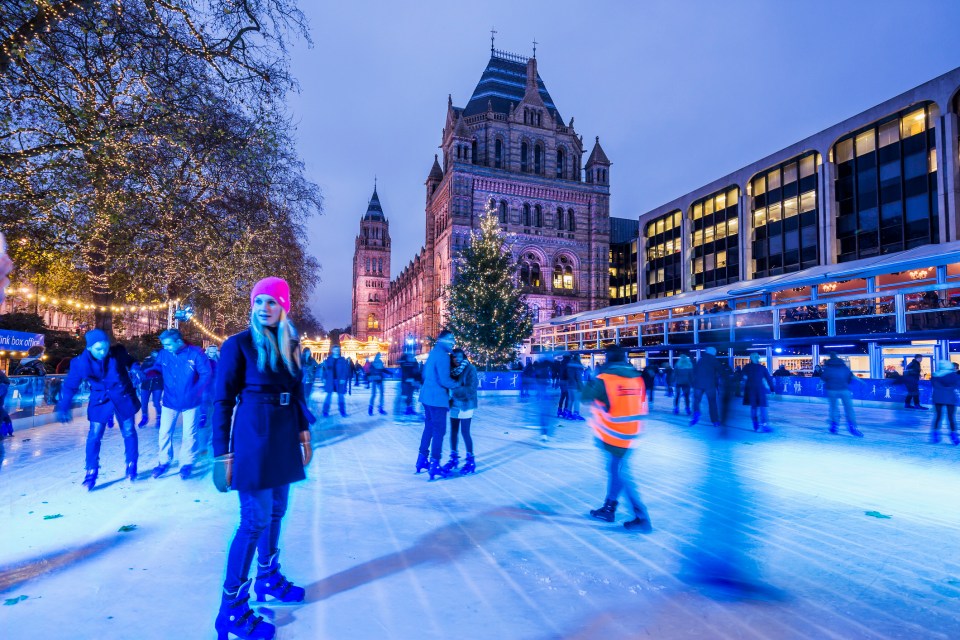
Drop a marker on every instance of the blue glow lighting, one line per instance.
(779, 350)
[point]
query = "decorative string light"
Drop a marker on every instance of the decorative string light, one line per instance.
(80, 305)
(207, 332)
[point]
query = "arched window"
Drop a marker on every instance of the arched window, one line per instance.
(560, 218)
(563, 274)
(498, 154)
(473, 151)
(571, 221)
(568, 310)
(372, 322)
(526, 215)
(503, 211)
(524, 151)
(537, 159)
(530, 271)
(458, 152)
(491, 206)
(560, 163)
(537, 216)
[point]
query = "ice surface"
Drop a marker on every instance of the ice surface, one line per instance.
(507, 553)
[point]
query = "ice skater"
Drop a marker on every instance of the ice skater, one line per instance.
(111, 393)
(435, 398)
(945, 382)
(836, 382)
(186, 375)
(259, 450)
(336, 372)
(375, 374)
(618, 400)
(757, 381)
(705, 382)
(463, 402)
(682, 378)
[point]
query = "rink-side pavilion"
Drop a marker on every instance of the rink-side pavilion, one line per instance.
(846, 241)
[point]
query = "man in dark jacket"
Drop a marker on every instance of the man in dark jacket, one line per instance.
(186, 376)
(705, 380)
(151, 389)
(836, 382)
(911, 380)
(111, 392)
(435, 398)
(409, 378)
(336, 371)
(375, 374)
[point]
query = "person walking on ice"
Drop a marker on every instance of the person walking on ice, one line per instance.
(836, 381)
(463, 402)
(260, 450)
(618, 399)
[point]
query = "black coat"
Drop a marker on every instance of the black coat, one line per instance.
(111, 390)
(335, 371)
(756, 382)
(945, 388)
(706, 372)
(911, 377)
(265, 435)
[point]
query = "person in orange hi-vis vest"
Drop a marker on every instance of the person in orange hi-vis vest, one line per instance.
(618, 399)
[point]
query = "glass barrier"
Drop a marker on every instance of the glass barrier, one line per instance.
(807, 321)
(865, 316)
(932, 310)
(652, 333)
(754, 325)
(31, 400)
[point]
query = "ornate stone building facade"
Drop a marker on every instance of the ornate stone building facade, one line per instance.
(371, 273)
(509, 151)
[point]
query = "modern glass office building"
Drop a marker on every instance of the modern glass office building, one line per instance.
(847, 241)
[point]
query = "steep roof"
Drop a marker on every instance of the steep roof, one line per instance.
(436, 172)
(374, 210)
(503, 82)
(597, 156)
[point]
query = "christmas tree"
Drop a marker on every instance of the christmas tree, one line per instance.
(486, 312)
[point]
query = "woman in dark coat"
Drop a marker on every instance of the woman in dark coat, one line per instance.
(945, 382)
(259, 450)
(111, 392)
(757, 382)
(463, 402)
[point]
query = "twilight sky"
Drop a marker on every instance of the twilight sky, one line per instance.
(680, 92)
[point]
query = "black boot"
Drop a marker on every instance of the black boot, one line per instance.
(436, 470)
(470, 466)
(641, 523)
(607, 513)
(422, 463)
(90, 480)
(270, 582)
(237, 618)
(132, 471)
(453, 463)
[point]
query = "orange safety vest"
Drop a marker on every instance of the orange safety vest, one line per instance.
(621, 425)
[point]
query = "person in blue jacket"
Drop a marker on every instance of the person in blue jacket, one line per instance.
(435, 398)
(111, 392)
(186, 375)
(336, 371)
(260, 449)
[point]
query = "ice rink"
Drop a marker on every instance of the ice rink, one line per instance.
(835, 537)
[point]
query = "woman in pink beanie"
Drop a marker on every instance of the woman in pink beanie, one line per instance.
(260, 449)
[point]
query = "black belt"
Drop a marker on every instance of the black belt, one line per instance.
(282, 399)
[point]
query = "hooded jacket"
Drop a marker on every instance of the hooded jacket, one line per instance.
(110, 388)
(186, 376)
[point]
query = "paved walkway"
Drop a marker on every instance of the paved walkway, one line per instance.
(507, 553)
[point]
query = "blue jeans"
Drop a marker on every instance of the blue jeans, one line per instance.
(434, 428)
(260, 515)
(145, 397)
(619, 481)
(341, 403)
(95, 436)
(376, 385)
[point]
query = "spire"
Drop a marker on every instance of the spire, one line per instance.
(374, 210)
(531, 95)
(597, 156)
(462, 130)
(436, 172)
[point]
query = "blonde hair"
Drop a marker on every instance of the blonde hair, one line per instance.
(269, 348)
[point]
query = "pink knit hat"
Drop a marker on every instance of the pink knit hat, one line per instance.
(276, 288)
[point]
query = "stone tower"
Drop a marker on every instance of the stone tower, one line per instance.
(371, 272)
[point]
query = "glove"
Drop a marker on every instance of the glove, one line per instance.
(306, 447)
(64, 415)
(223, 472)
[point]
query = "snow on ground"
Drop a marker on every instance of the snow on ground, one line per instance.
(507, 553)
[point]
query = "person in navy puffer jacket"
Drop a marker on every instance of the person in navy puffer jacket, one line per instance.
(186, 376)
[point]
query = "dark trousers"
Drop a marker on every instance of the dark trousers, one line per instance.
(260, 515)
(145, 396)
(376, 385)
(619, 481)
(564, 400)
(341, 403)
(950, 410)
(95, 436)
(650, 395)
(461, 426)
(434, 428)
(913, 397)
(683, 389)
(406, 389)
(711, 402)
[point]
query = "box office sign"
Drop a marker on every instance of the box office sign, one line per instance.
(19, 341)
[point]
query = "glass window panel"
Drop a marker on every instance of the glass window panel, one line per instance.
(651, 230)
(720, 202)
(759, 217)
(697, 211)
(932, 161)
(759, 186)
(889, 133)
(732, 196)
(709, 262)
(844, 151)
(773, 180)
(721, 230)
(808, 165)
(676, 219)
(790, 173)
(733, 225)
(913, 123)
(773, 212)
(790, 207)
(914, 165)
(708, 235)
(698, 238)
(866, 143)
(722, 259)
(808, 201)
(698, 265)
(708, 207)
(660, 226)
